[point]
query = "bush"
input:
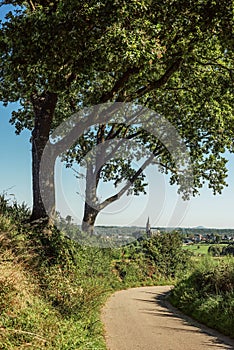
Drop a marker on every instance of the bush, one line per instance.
(166, 252)
(229, 250)
(215, 250)
(208, 294)
(153, 261)
(51, 289)
(17, 212)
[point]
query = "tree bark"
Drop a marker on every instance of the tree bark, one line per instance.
(43, 106)
(91, 203)
(90, 215)
(93, 173)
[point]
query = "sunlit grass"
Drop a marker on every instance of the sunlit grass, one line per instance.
(207, 293)
(201, 248)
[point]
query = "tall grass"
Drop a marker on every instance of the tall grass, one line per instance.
(207, 294)
(51, 290)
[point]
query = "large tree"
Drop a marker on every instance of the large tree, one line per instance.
(174, 57)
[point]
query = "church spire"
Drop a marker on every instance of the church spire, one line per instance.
(148, 228)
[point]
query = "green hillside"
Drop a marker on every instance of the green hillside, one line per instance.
(52, 288)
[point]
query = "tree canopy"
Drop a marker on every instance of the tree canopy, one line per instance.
(174, 57)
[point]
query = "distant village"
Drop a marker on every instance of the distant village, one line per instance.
(208, 238)
(190, 235)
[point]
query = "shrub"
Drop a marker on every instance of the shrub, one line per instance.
(215, 250)
(13, 210)
(166, 252)
(207, 294)
(229, 250)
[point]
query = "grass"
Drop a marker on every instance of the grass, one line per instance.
(207, 293)
(197, 249)
(200, 249)
(50, 302)
(52, 289)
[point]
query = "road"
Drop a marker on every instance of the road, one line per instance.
(140, 318)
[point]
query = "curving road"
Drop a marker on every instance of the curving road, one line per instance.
(140, 318)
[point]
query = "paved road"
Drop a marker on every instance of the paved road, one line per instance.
(140, 318)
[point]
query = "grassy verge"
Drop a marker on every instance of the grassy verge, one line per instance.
(52, 289)
(207, 294)
(48, 296)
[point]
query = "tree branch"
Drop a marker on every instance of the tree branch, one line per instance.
(118, 195)
(114, 133)
(118, 85)
(216, 64)
(101, 133)
(32, 6)
(161, 81)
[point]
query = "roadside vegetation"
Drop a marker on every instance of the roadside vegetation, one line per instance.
(52, 288)
(207, 293)
(50, 291)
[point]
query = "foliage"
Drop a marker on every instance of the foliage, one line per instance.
(173, 57)
(166, 252)
(52, 288)
(51, 301)
(17, 212)
(157, 259)
(212, 249)
(195, 97)
(229, 250)
(204, 231)
(207, 294)
(215, 250)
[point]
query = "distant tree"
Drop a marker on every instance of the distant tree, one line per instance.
(68, 219)
(166, 252)
(174, 57)
(229, 250)
(215, 250)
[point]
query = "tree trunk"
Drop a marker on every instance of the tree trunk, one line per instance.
(44, 106)
(91, 209)
(90, 215)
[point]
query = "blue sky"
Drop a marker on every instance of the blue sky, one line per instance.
(161, 205)
(206, 210)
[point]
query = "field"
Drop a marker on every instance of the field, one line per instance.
(197, 249)
(201, 248)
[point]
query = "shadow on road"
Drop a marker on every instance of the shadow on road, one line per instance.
(162, 308)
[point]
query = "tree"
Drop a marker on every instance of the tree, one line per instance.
(215, 250)
(229, 250)
(218, 238)
(195, 96)
(166, 252)
(58, 57)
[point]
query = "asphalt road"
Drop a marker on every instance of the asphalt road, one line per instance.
(140, 318)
